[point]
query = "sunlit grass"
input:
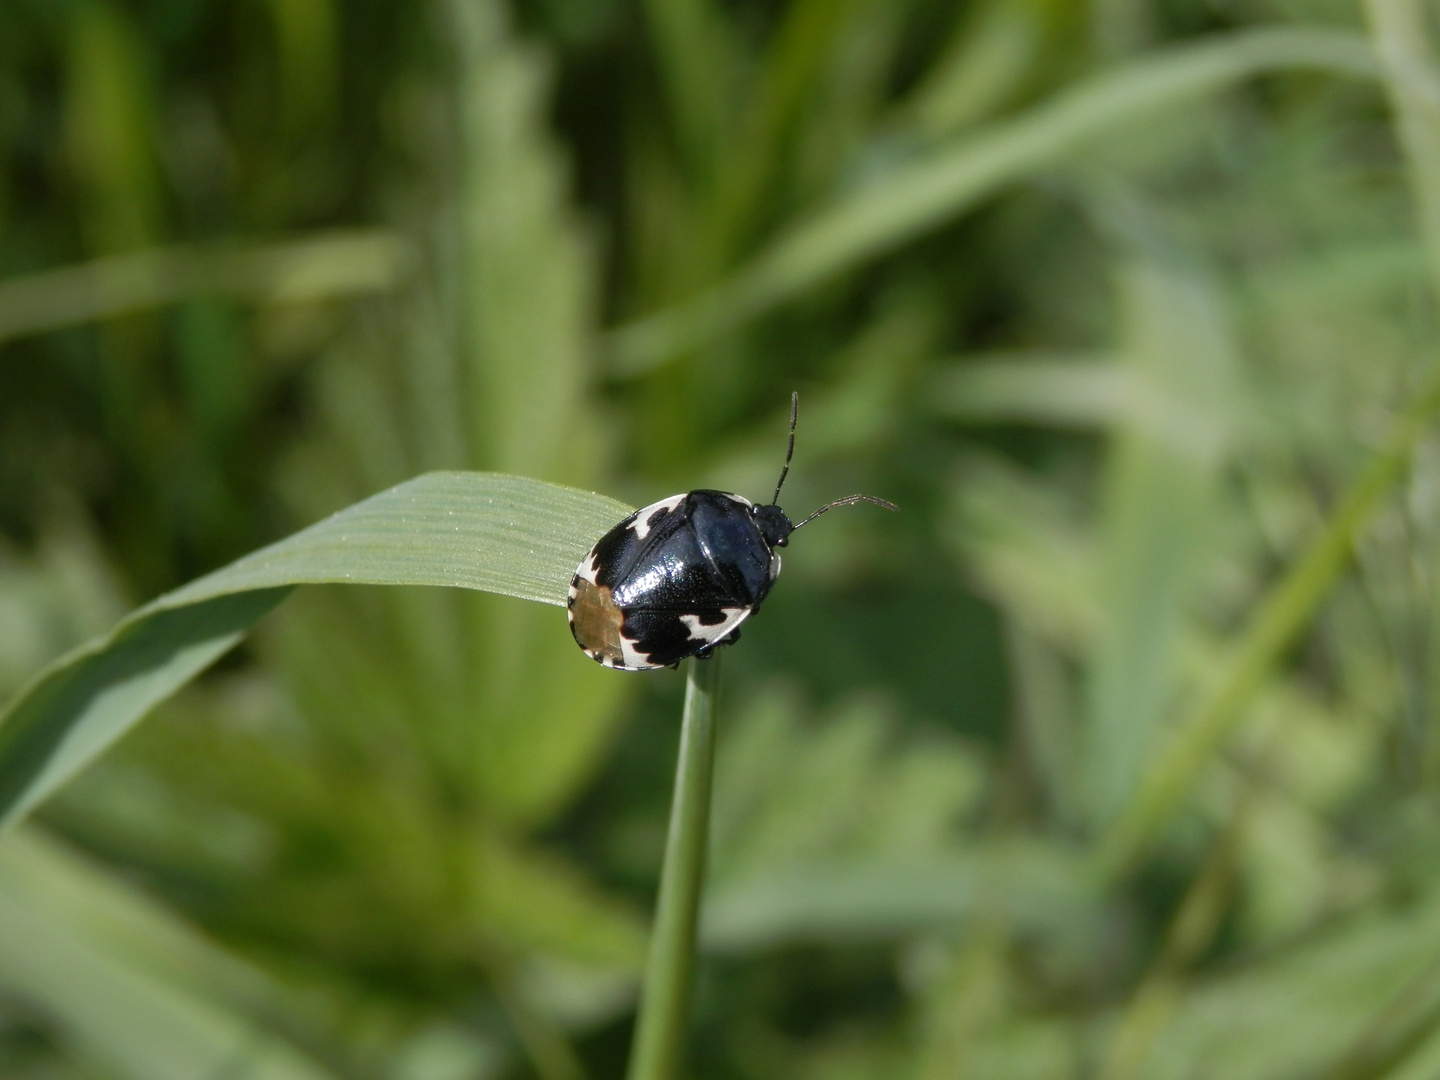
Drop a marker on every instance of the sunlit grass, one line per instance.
(1129, 307)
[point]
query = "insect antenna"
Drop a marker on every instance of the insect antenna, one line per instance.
(790, 452)
(846, 502)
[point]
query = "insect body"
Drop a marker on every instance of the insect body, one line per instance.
(678, 577)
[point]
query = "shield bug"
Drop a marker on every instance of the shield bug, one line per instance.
(678, 577)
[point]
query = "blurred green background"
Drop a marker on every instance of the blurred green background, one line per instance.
(1116, 299)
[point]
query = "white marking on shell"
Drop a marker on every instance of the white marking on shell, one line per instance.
(586, 571)
(642, 524)
(632, 660)
(734, 616)
(635, 660)
(774, 564)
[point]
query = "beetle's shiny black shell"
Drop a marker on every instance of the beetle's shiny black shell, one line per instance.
(674, 579)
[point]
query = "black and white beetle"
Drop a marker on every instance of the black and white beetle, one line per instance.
(678, 577)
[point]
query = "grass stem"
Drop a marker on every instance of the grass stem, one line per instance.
(665, 996)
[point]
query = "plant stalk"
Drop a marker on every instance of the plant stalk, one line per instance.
(665, 996)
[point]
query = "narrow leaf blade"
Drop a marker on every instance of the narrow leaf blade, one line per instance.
(485, 531)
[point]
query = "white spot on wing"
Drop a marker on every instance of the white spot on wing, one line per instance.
(631, 659)
(635, 660)
(643, 523)
(586, 571)
(734, 616)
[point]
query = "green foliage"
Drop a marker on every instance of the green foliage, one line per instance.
(126, 980)
(502, 534)
(1113, 755)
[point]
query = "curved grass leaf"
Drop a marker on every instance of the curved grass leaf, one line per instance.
(318, 267)
(486, 531)
(1403, 48)
(915, 197)
(127, 985)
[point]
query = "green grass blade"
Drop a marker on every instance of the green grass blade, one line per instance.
(144, 1027)
(1077, 390)
(985, 66)
(526, 722)
(1403, 48)
(691, 44)
(1276, 622)
(1160, 499)
(126, 984)
(315, 268)
(76, 708)
(529, 281)
(1410, 78)
(1299, 1009)
(485, 531)
(664, 1009)
(919, 196)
